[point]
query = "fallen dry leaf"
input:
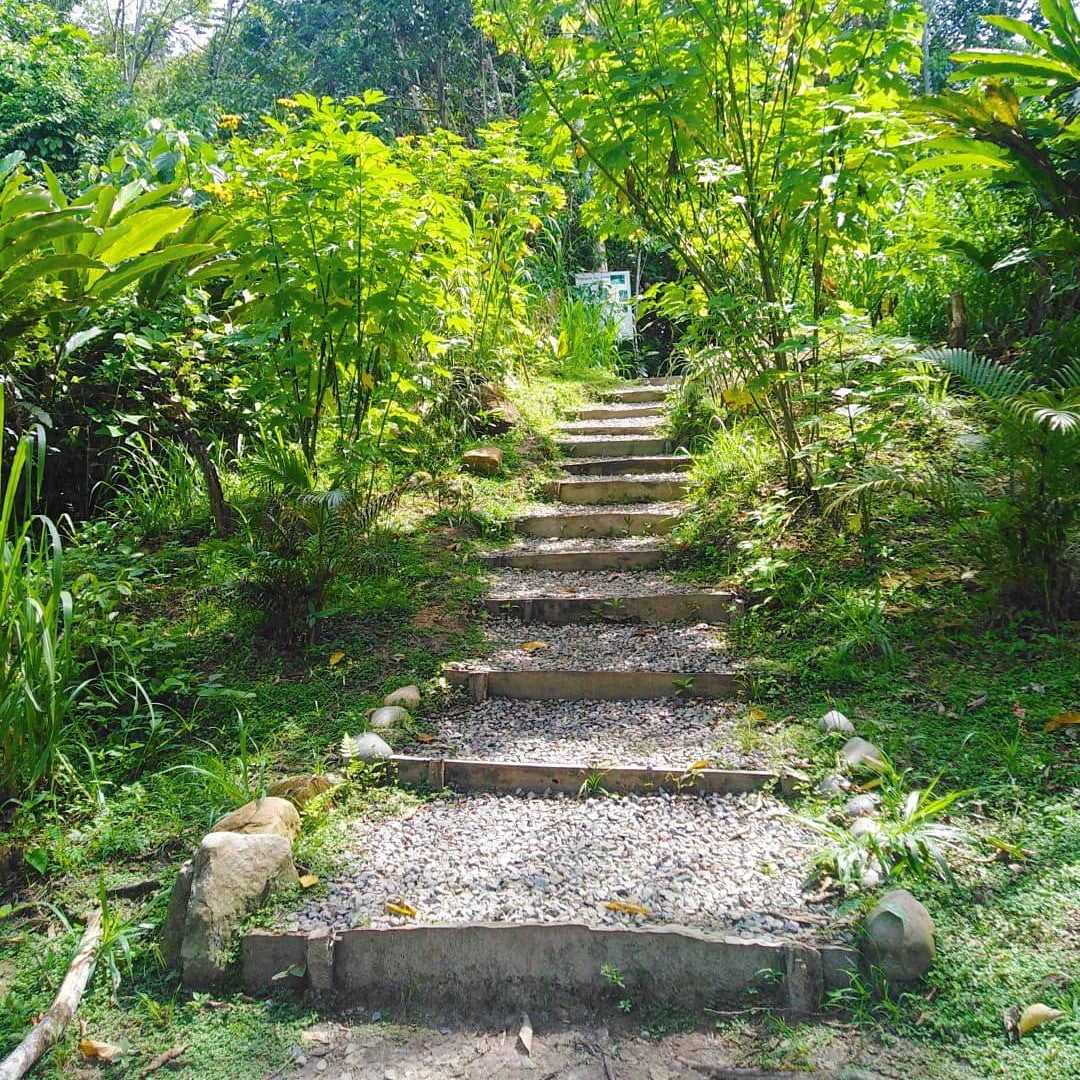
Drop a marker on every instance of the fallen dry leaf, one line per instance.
(400, 908)
(425, 737)
(104, 1052)
(308, 880)
(757, 715)
(627, 907)
(336, 658)
(698, 765)
(1036, 1015)
(1062, 719)
(533, 646)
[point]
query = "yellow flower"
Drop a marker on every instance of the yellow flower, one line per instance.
(220, 191)
(229, 121)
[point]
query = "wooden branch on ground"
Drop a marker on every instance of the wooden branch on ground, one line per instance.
(50, 1027)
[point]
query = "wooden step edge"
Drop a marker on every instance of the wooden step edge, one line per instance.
(711, 607)
(556, 684)
(635, 558)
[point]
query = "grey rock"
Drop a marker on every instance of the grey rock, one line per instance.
(834, 721)
(408, 697)
(864, 826)
(860, 806)
(172, 932)
(233, 874)
(389, 716)
(900, 937)
(871, 879)
(300, 790)
(262, 816)
(369, 747)
(859, 754)
(831, 785)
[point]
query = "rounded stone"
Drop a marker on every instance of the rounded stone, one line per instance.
(369, 747)
(900, 937)
(389, 716)
(300, 790)
(860, 806)
(871, 879)
(262, 816)
(408, 697)
(484, 460)
(835, 721)
(859, 754)
(831, 785)
(864, 826)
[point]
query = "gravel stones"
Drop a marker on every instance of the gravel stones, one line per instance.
(661, 734)
(604, 646)
(644, 424)
(522, 584)
(729, 862)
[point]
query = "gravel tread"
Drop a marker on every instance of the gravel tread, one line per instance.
(511, 583)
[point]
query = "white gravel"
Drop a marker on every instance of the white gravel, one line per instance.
(539, 509)
(663, 734)
(639, 423)
(579, 543)
(511, 583)
(732, 863)
(604, 647)
(612, 443)
(635, 478)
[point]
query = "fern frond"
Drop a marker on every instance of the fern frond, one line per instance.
(1056, 411)
(988, 377)
(1068, 378)
(940, 489)
(277, 468)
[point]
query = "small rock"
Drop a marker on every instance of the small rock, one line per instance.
(860, 806)
(871, 879)
(859, 754)
(369, 747)
(389, 716)
(831, 785)
(300, 790)
(268, 815)
(485, 460)
(834, 721)
(864, 826)
(900, 937)
(408, 697)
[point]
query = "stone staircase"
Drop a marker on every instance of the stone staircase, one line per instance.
(600, 807)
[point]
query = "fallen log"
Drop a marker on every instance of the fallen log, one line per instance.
(47, 1031)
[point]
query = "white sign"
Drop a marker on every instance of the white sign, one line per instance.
(612, 289)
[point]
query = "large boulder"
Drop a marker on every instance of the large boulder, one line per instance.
(900, 938)
(271, 815)
(232, 875)
(484, 460)
(300, 790)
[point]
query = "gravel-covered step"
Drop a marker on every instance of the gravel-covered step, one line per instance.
(657, 733)
(620, 409)
(644, 487)
(638, 394)
(556, 522)
(594, 446)
(604, 647)
(590, 684)
(635, 425)
(734, 863)
(621, 553)
(561, 597)
(608, 466)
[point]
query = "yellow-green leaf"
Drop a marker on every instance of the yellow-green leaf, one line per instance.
(628, 907)
(1036, 1015)
(533, 646)
(308, 880)
(399, 907)
(336, 658)
(1062, 720)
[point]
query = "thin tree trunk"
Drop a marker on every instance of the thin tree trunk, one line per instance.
(224, 518)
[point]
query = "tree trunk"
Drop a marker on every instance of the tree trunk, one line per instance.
(957, 321)
(224, 519)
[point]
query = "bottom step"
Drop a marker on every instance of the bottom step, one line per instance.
(591, 685)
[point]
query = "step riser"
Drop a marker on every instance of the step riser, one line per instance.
(639, 559)
(716, 608)
(607, 492)
(539, 965)
(539, 685)
(621, 466)
(624, 412)
(609, 449)
(579, 526)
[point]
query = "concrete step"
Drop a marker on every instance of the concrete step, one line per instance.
(638, 394)
(556, 685)
(597, 555)
(614, 521)
(635, 425)
(619, 411)
(712, 607)
(658, 463)
(613, 446)
(618, 489)
(669, 381)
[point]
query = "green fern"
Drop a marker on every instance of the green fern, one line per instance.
(944, 491)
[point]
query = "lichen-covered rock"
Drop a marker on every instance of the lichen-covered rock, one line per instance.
(300, 790)
(408, 697)
(269, 815)
(232, 875)
(900, 937)
(172, 932)
(484, 460)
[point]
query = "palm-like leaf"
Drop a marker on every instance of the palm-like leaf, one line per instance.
(989, 378)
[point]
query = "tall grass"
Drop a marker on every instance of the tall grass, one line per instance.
(38, 668)
(586, 345)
